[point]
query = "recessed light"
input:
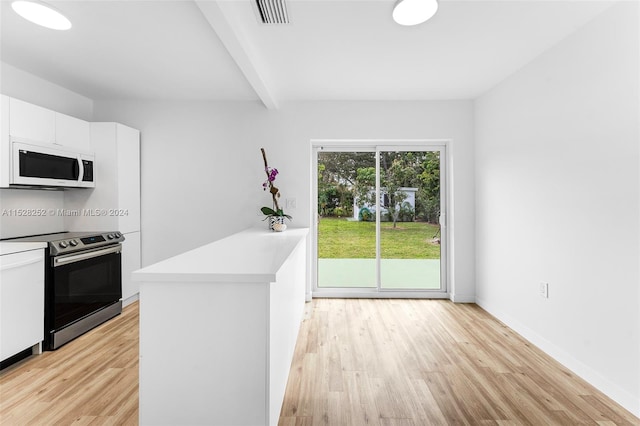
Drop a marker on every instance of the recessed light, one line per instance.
(41, 13)
(414, 12)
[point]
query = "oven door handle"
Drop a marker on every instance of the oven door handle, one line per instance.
(63, 260)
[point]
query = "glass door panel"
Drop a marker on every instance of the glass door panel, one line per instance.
(410, 234)
(346, 225)
(379, 210)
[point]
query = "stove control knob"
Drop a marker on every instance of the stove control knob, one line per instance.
(63, 244)
(110, 236)
(73, 243)
(118, 235)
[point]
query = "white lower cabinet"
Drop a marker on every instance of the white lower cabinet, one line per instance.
(21, 301)
(130, 263)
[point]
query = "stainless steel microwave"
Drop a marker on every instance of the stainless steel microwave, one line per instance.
(50, 165)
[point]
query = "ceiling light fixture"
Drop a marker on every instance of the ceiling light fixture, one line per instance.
(414, 12)
(41, 13)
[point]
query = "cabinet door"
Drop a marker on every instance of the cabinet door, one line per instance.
(31, 122)
(5, 150)
(21, 301)
(130, 263)
(73, 132)
(129, 178)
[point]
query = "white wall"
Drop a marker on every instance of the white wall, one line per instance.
(14, 224)
(20, 84)
(28, 87)
(557, 160)
(202, 168)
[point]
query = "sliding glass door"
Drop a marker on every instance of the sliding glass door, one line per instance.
(410, 235)
(346, 234)
(379, 215)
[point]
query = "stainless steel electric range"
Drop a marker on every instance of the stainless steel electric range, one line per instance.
(83, 282)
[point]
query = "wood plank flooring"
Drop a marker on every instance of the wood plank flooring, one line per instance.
(357, 362)
(429, 362)
(92, 380)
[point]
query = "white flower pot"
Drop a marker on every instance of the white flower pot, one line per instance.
(277, 221)
(279, 227)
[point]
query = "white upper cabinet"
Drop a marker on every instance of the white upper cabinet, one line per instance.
(73, 132)
(32, 122)
(38, 124)
(129, 177)
(117, 174)
(5, 150)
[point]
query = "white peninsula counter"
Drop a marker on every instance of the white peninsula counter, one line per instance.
(218, 327)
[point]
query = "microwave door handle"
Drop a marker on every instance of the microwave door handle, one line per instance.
(80, 169)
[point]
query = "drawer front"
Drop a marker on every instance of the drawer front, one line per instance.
(21, 301)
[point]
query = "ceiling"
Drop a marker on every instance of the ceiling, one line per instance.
(331, 50)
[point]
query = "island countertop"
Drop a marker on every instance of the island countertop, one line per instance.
(252, 255)
(218, 329)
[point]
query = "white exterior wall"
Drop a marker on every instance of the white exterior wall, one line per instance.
(411, 199)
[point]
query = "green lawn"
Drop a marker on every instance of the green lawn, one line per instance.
(342, 239)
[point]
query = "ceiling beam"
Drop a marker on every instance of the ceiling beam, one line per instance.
(239, 49)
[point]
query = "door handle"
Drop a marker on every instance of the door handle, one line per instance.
(63, 260)
(80, 169)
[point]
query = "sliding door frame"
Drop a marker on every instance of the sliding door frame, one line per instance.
(377, 146)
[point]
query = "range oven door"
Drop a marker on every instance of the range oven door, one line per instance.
(83, 290)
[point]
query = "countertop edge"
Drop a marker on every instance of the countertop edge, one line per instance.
(201, 278)
(175, 268)
(9, 247)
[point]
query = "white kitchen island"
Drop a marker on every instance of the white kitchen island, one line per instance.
(218, 327)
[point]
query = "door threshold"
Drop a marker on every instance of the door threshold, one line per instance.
(373, 294)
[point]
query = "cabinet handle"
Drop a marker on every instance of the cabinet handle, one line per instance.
(19, 264)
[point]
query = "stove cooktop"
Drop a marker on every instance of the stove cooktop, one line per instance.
(69, 242)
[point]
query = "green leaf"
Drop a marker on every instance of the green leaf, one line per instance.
(280, 212)
(270, 212)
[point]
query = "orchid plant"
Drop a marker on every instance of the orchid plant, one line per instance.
(271, 172)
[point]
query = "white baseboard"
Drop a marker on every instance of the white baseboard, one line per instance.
(463, 298)
(593, 377)
(129, 300)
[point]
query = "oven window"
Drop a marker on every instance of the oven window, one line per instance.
(39, 165)
(83, 287)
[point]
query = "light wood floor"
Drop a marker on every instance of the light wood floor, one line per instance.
(357, 361)
(92, 380)
(429, 362)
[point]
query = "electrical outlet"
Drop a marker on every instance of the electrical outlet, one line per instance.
(544, 290)
(290, 203)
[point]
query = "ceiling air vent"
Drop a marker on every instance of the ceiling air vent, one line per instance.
(273, 11)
